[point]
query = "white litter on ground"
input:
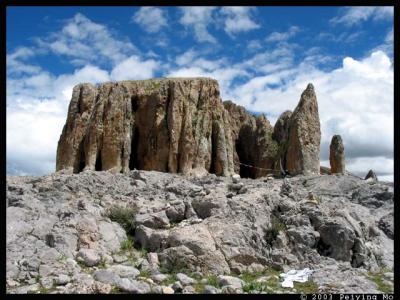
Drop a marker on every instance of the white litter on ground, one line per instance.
(295, 275)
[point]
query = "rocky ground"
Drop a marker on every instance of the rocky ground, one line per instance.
(153, 232)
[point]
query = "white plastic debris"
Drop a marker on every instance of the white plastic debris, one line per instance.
(295, 275)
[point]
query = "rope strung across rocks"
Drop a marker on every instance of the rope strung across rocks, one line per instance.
(258, 167)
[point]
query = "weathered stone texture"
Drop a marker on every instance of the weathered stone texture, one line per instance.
(304, 136)
(170, 125)
(254, 144)
(336, 155)
(181, 125)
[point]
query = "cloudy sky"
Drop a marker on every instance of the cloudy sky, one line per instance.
(263, 57)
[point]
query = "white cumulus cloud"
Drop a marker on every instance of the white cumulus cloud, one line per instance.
(87, 42)
(238, 19)
(151, 19)
(355, 15)
(355, 101)
(134, 68)
(198, 18)
(282, 36)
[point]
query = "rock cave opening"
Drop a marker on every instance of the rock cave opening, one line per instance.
(98, 165)
(81, 159)
(243, 149)
(213, 153)
(133, 160)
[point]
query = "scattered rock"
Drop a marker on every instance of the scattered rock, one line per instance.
(106, 276)
(184, 279)
(62, 279)
(209, 289)
(159, 277)
(89, 257)
(133, 286)
(168, 290)
(124, 271)
(371, 175)
(177, 287)
(189, 290)
(271, 225)
(224, 280)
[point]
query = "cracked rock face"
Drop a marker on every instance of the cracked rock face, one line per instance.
(304, 140)
(181, 125)
(169, 125)
(253, 140)
(336, 155)
(60, 229)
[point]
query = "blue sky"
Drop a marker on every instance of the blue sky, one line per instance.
(263, 57)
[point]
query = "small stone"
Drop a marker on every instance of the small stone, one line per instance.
(46, 282)
(133, 286)
(159, 278)
(184, 279)
(371, 174)
(157, 289)
(62, 279)
(106, 276)
(230, 280)
(102, 288)
(263, 279)
(235, 178)
(189, 290)
(119, 258)
(209, 289)
(89, 257)
(168, 290)
(229, 289)
(108, 259)
(45, 270)
(389, 276)
(124, 271)
(152, 257)
(12, 283)
(177, 287)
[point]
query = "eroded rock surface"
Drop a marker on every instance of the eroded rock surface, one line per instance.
(336, 155)
(303, 149)
(170, 125)
(98, 232)
(253, 141)
(181, 125)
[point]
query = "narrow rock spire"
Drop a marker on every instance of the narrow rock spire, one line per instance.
(336, 155)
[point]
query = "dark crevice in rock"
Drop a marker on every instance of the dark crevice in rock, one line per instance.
(98, 164)
(323, 249)
(213, 150)
(133, 161)
(242, 145)
(80, 158)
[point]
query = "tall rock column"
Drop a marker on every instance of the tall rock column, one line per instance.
(70, 146)
(336, 155)
(304, 140)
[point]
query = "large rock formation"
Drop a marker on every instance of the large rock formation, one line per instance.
(302, 154)
(281, 135)
(181, 125)
(254, 144)
(336, 155)
(170, 125)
